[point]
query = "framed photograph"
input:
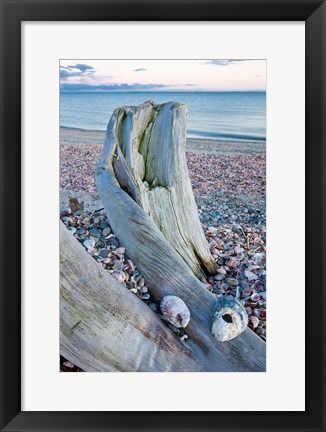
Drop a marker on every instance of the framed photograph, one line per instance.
(203, 186)
(162, 218)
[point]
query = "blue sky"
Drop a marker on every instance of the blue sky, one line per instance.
(163, 75)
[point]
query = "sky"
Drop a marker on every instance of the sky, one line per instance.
(163, 75)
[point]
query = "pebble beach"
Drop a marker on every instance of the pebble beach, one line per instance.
(228, 178)
(229, 184)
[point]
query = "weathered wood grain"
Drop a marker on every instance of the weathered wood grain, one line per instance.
(166, 270)
(151, 165)
(104, 327)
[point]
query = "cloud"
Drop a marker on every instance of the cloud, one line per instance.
(76, 87)
(224, 62)
(139, 70)
(82, 67)
(77, 70)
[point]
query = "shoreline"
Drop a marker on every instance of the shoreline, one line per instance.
(75, 136)
(228, 179)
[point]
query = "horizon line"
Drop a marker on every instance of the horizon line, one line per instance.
(163, 91)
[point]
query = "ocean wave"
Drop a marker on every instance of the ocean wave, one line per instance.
(225, 136)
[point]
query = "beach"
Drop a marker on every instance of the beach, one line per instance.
(73, 136)
(228, 181)
(228, 177)
(182, 230)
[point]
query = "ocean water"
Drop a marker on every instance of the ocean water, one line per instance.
(234, 116)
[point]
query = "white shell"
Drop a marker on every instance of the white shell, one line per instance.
(89, 243)
(229, 320)
(175, 311)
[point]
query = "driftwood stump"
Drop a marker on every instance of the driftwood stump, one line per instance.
(143, 182)
(146, 147)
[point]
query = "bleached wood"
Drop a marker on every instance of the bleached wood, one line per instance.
(152, 140)
(130, 210)
(104, 327)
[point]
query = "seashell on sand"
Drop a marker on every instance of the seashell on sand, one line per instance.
(119, 276)
(254, 321)
(175, 311)
(131, 267)
(255, 297)
(250, 275)
(229, 319)
(89, 243)
(211, 232)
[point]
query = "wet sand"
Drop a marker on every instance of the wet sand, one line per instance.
(197, 145)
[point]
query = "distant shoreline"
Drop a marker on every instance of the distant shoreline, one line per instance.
(160, 91)
(77, 136)
(190, 136)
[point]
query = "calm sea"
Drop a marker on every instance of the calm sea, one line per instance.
(228, 115)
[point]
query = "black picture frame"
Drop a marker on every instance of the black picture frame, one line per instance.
(13, 12)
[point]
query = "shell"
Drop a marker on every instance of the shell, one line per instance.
(175, 311)
(131, 267)
(254, 321)
(211, 232)
(120, 251)
(119, 276)
(250, 275)
(89, 243)
(255, 297)
(229, 319)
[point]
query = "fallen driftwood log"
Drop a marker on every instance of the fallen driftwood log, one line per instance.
(104, 327)
(143, 182)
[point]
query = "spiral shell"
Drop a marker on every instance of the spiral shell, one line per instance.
(229, 320)
(175, 311)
